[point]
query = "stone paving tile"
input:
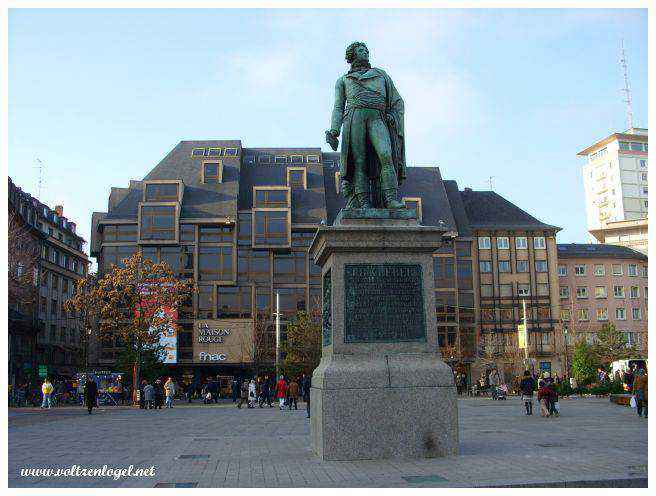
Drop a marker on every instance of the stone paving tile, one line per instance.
(267, 447)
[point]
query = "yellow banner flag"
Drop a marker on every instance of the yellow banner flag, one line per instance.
(521, 336)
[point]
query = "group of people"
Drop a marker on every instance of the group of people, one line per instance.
(155, 395)
(547, 395)
(261, 390)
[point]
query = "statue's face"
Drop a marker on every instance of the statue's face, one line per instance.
(361, 54)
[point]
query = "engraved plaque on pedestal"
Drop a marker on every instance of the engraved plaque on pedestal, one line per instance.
(383, 303)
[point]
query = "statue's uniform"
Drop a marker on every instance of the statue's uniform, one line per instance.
(363, 102)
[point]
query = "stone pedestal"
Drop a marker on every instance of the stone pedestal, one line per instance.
(381, 389)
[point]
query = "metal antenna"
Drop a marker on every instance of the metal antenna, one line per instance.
(490, 181)
(39, 183)
(627, 89)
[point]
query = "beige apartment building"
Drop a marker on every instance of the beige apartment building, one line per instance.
(602, 284)
(615, 179)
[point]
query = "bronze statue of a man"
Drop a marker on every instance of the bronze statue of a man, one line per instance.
(372, 162)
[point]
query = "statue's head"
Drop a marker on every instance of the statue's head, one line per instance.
(357, 51)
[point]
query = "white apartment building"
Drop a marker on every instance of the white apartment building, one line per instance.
(616, 188)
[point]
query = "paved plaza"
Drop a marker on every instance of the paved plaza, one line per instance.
(593, 443)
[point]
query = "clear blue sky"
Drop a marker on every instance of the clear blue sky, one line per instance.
(100, 96)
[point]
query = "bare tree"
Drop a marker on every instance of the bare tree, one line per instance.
(23, 258)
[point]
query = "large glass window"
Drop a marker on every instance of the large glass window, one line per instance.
(158, 222)
(215, 263)
(445, 304)
(466, 308)
(212, 172)
(245, 232)
(233, 302)
(292, 300)
(444, 272)
(215, 234)
(289, 267)
(205, 302)
(162, 192)
(188, 233)
(114, 255)
(263, 302)
(271, 198)
(463, 248)
(271, 228)
(120, 232)
(465, 280)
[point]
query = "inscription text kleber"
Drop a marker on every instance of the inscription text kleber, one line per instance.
(383, 303)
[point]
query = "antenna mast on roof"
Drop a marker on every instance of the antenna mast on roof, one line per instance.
(490, 181)
(627, 89)
(39, 183)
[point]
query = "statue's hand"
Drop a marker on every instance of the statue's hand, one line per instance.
(390, 119)
(331, 139)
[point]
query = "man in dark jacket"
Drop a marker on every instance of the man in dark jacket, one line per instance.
(265, 393)
(526, 387)
(306, 386)
(159, 394)
(90, 393)
(235, 390)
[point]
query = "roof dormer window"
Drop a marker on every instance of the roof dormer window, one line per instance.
(212, 172)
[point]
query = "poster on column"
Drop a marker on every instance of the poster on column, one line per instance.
(168, 338)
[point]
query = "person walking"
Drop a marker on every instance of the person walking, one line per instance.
(159, 394)
(243, 397)
(307, 385)
(629, 378)
(640, 391)
(235, 390)
(47, 389)
(543, 398)
(149, 396)
(265, 393)
(90, 393)
(169, 389)
(281, 391)
(526, 386)
(252, 394)
(292, 394)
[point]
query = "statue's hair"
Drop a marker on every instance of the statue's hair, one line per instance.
(350, 50)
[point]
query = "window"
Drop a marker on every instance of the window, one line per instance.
(504, 266)
(198, 152)
(158, 223)
(645, 190)
(443, 267)
(463, 248)
(562, 270)
(215, 263)
(521, 243)
(487, 290)
(233, 302)
(205, 302)
(215, 234)
(636, 313)
(213, 172)
(579, 270)
(600, 292)
(539, 243)
(620, 313)
(271, 228)
(584, 314)
(618, 291)
(505, 290)
(542, 289)
(414, 204)
(523, 290)
(214, 152)
(484, 243)
(645, 271)
(632, 270)
(187, 233)
(503, 243)
(582, 292)
(445, 303)
(114, 255)
(617, 269)
(291, 300)
(297, 178)
(522, 265)
(161, 192)
(540, 266)
(602, 314)
(231, 152)
(643, 164)
(121, 232)
(245, 230)
(271, 198)
(289, 268)
(485, 265)
(464, 271)
(634, 292)
(565, 314)
(643, 176)
(564, 292)
(600, 270)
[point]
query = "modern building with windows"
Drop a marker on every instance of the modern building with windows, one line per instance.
(616, 189)
(62, 261)
(240, 220)
(601, 284)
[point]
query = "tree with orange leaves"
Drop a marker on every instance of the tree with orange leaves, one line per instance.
(136, 302)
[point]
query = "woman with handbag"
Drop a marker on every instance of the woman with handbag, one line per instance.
(640, 391)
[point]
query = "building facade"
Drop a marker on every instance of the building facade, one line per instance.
(61, 262)
(616, 188)
(240, 220)
(603, 284)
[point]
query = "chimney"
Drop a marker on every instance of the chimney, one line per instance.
(59, 210)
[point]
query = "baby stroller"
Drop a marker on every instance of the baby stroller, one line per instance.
(500, 392)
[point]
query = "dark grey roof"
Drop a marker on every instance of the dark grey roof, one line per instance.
(426, 183)
(457, 208)
(580, 250)
(488, 210)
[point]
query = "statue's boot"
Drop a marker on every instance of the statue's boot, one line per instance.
(390, 189)
(363, 200)
(389, 196)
